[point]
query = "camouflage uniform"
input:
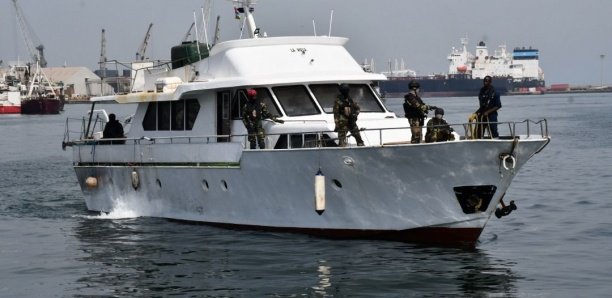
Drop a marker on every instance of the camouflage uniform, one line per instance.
(345, 118)
(438, 130)
(252, 113)
(415, 110)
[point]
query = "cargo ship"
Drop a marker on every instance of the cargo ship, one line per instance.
(518, 72)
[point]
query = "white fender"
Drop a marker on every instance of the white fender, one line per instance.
(319, 187)
(135, 179)
(91, 182)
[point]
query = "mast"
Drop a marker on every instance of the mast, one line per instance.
(247, 7)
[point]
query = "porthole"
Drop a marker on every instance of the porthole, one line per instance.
(224, 185)
(336, 184)
(205, 185)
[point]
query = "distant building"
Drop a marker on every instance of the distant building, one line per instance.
(79, 82)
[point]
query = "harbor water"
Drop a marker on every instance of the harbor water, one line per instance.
(557, 244)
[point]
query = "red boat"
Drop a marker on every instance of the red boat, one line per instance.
(10, 102)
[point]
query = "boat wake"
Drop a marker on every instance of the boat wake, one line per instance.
(128, 208)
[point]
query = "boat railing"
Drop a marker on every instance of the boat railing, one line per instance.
(507, 129)
(305, 139)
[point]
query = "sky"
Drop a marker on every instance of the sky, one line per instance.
(570, 35)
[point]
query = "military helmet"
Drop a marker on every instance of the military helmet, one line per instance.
(344, 89)
(251, 93)
(413, 85)
(439, 111)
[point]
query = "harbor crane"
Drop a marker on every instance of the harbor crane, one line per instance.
(140, 55)
(36, 51)
(103, 54)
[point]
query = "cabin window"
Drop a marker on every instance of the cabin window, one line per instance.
(263, 94)
(178, 116)
(306, 140)
(171, 115)
(295, 100)
(163, 115)
(326, 95)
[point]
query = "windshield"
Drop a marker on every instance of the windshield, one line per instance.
(295, 100)
(326, 94)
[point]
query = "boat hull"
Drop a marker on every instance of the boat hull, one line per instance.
(388, 192)
(41, 106)
(455, 86)
(10, 109)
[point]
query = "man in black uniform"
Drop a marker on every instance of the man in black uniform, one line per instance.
(489, 103)
(113, 130)
(416, 111)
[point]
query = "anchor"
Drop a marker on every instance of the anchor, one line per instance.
(505, 209)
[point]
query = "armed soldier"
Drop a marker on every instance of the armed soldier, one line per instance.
(416, 111)
(438, 129)
(253, 112)
(345, 116)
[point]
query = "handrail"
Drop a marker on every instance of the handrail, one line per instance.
(322, 137)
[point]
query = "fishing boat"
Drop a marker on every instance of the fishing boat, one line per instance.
(186, 155)
(10, 101)
(42, 96)
(11, 89)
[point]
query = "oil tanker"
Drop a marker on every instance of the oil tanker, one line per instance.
(518, 72)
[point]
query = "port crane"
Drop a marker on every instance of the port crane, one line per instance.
(140, 55)
(102, 61)
(30, 38)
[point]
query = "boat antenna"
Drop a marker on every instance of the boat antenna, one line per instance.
(331, 18)
(204, 26)
(314, 27)
(216, 39)
(206, 18)
(195, 21)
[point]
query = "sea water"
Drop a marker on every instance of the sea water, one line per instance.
(557, 244)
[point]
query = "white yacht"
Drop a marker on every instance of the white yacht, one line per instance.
(186, 154)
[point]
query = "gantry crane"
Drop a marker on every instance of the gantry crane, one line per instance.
(30, 38)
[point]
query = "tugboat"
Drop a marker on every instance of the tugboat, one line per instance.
(186, 152)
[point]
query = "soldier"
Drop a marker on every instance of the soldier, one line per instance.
(416, 111)
(252, 113)
(438, 129)
(345, 116)
(489, 103)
